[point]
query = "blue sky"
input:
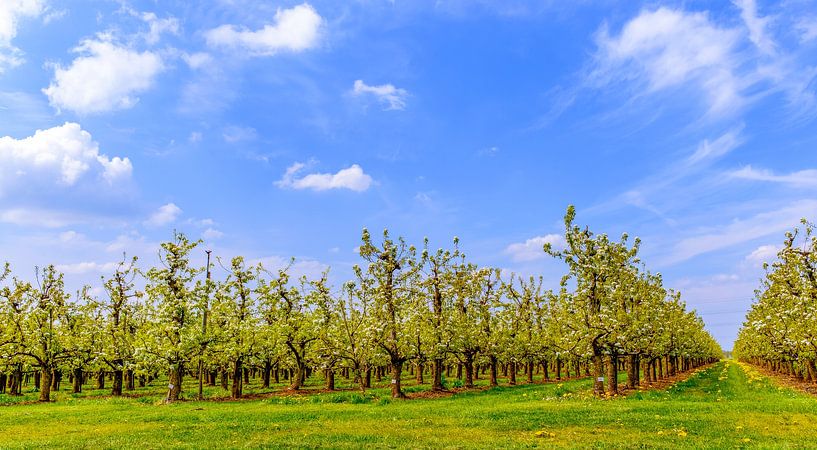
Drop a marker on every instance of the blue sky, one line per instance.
(277, 129)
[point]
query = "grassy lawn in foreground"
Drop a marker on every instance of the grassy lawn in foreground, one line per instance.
(724, 406)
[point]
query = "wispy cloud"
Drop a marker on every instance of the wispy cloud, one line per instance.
(392, 97)
(800, 178)
(739, 231)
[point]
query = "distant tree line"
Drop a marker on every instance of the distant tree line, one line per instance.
(420, 311)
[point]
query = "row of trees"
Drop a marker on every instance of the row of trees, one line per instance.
(405, 307)
(780, 330)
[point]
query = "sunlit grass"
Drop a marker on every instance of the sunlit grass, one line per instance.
(715, 408)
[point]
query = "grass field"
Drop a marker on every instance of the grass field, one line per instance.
(724, 406)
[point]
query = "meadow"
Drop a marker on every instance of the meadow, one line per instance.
(726, 405)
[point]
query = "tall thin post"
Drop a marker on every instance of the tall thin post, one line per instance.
(204, 327)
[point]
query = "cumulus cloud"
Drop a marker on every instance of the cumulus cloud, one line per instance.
(388, 95)
(61, 155)
(211, 234)
(105, 77)
(762, 254)
(801, 178)
(166, 214)
(666, 48)
(11, 13)
(295, 29)
(532, 249)
(352, 178)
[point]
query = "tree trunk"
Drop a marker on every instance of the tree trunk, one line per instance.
(558, 368)
(265, 377)
(598, 375)
(437, 375)
(419, 373)
(297, 378)
(237, 382)
(117, 383)
(529, 370)
(396, 374)
(632, 371)
(224, 380)
(130, 380)
(469, 370)
(330, 380)
(174, 390)
(45, 384)
(612, 374)
(512, 373)
(492, 373)
(367, 379)
(76, 382)
(100, 379)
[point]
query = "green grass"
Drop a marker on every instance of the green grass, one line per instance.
(724, 406)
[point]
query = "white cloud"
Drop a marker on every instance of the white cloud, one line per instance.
(807, 26)
(197, 60)
(295, 29)
(309, 267)
(235, 134)
(764, 253)
(666, 49)
(756, 25)
(61, 155)
(87, 267)
(740, 231)
(11, 13)
(709, 150)
(166, 214)
(393, 97)
(532, 249)
(352, 178)
(158, 26)
(211, 234)
(802, 178)
(35, 217)
(105, 77)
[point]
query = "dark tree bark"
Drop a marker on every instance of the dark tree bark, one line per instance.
(45, 384)
(76, 387)
(116, 389)
(237, 382)
(396, 375)
(492, 374)
(265, 375)
(175, 387)
(612, 374)
(469, 370)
